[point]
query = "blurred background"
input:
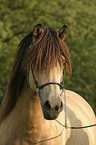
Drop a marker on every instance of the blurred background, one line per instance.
(18, 17)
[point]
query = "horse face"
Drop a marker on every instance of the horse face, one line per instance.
(49, 95)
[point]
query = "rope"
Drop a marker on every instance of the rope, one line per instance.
(49, 138)
(75, 127)
(65, 109)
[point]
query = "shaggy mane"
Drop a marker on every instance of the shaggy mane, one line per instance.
(42, 53)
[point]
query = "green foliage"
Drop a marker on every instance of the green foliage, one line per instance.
(17, 18)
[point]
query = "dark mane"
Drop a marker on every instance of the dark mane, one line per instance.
(43, 53)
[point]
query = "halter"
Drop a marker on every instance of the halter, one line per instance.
(46, 84)
(38, 87)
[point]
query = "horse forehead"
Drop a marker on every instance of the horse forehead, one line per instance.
(54, 74)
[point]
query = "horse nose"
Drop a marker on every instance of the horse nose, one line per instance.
(52, 110)
(56, 107)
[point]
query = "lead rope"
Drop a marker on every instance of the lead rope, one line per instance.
(65, 126)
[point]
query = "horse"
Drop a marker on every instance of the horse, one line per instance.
(32, 111)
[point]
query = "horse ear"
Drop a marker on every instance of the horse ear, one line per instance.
(62, 32)
(37, 31)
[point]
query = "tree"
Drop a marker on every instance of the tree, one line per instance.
(17, 18)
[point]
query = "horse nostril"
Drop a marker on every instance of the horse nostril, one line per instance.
(47, 104)
(56, 108)
(61, 106)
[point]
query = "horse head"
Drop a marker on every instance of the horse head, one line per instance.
(46, 80)
(49, 94)
(43, 51)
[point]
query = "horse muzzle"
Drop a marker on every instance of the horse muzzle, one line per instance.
(51, 111)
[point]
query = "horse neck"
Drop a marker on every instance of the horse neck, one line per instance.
(29, 105)
(24, 119)
(26, 113)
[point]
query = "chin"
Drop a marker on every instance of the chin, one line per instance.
(50, 117)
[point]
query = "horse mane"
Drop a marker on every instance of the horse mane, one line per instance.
(43, 53)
